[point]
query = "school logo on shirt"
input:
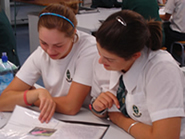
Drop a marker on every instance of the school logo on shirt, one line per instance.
(68, 76)
(136, 111)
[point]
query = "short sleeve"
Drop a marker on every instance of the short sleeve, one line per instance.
(170, 6)
(83, 65)
(101, 78)
(30, 70)
(164, 87)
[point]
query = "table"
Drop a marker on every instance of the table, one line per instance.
(85, 115)
(91, 22)
(113, 132)
(88, 23)
(46, 2)
(74, 4)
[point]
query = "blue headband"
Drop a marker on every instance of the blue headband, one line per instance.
(63, 17)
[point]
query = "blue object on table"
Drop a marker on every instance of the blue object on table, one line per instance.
(6, 72)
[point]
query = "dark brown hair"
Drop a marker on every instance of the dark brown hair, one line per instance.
(54, 22)
(126, 32)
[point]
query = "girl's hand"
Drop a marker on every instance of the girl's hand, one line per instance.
(105, 100)
(47, 105)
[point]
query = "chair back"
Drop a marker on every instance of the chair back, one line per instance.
(181, 59)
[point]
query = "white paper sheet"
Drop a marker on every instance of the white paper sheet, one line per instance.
(4, 117)
(24, 120)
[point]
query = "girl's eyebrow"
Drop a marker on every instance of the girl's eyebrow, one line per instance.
(108, 58)
(41, 40)
(58, 43)
(54, 44)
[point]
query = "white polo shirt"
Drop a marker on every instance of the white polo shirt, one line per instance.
(155, 85)
(101, 76)
(58, 74)
(177, 9)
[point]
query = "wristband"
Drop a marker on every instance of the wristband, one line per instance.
(25, 99)
(97, 112)
(132, 126)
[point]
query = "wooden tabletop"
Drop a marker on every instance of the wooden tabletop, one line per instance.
(47, 2)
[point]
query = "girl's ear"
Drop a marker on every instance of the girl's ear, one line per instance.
(75, 31)
(136, 55)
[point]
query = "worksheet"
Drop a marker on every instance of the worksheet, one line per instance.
(24, 124)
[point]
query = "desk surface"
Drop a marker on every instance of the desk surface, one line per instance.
(91, 21)
(86, 116)
(46, 2)
(113, 132)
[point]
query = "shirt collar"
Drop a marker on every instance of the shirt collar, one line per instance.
(114, 78)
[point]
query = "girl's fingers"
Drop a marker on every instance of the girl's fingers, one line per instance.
(47, 110)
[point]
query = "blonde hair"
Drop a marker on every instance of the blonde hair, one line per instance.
(55, 22)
